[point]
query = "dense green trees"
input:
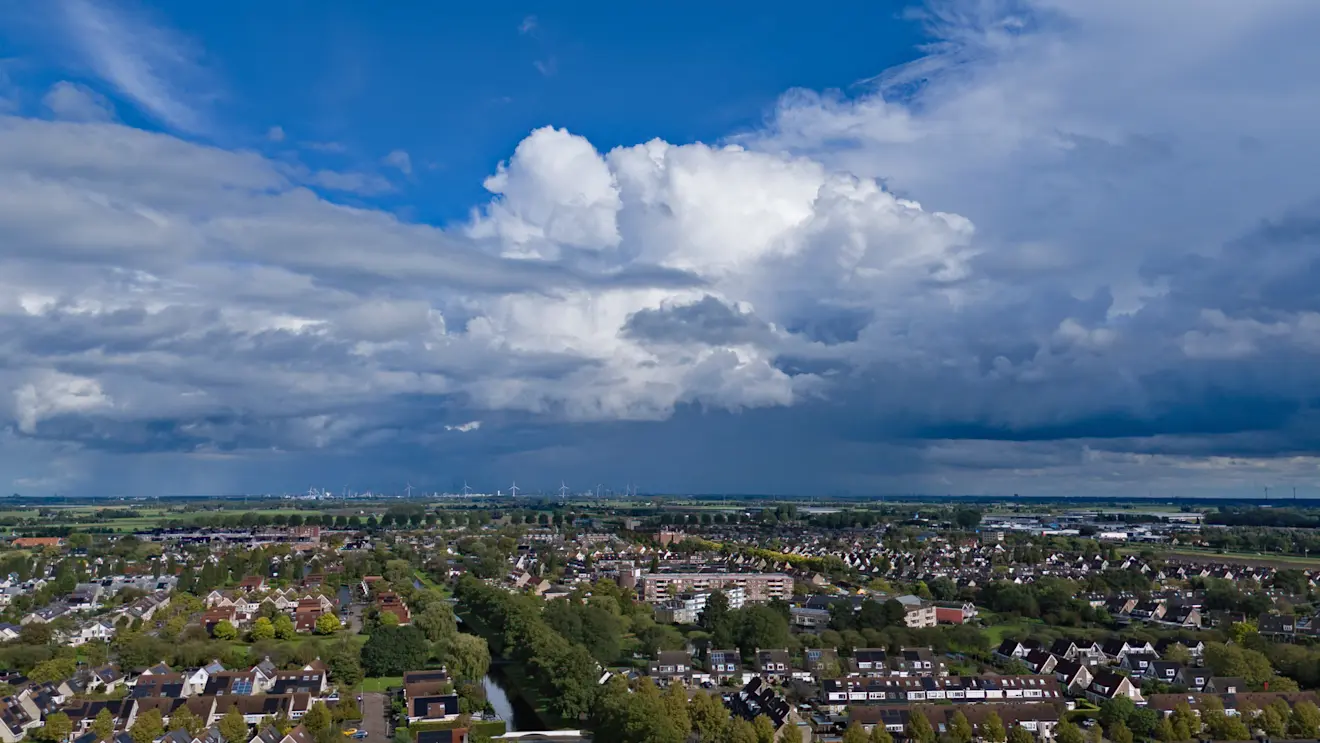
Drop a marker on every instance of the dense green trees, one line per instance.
(262, 629)
(466, 656)
(1250, 665)
(1305, 720)
(57, 728)
(566, 671)
(437, 621)
(327, 624)
(589, 625)
(283, 626)
(638, 717)
(1067, 732)
(391, 651)
(224, 630)
(344, 665)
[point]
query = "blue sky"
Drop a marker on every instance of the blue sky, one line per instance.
(957, 246)
(458, 87)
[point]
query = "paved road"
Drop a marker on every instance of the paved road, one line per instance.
(374, 710)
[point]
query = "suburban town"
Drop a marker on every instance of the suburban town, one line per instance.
(429, 620)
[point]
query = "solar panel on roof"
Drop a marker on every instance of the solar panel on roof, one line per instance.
(242, 687)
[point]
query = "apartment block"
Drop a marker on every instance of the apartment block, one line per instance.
(754, 586)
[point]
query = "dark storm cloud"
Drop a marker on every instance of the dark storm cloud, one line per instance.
(708, 321)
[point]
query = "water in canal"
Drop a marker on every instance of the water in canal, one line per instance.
(516, 713)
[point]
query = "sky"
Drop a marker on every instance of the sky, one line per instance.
(1035, 247)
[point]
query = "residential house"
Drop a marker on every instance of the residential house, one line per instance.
(450, 735)
(774, 665)
(1163, 670)
(1224, 685)
(1108, 685)
(671, 665)
(1192, 678)
(724, 665)
(1040, 661)
(195, 681)
(1074, 676)
(93, 631)
(252, 583)
(428, 697)
(1040, 718)
(1138, 662)
(388, 602)
(1148, 610)
(757, 699)
(821, 662)
(1184, 616)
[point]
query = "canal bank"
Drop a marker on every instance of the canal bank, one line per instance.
(526, 708)
(509, 705)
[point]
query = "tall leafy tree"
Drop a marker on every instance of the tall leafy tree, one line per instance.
(233, 727)
(709, 717)
(1305, 722)
(283, 627)
(437, 622)
(676, 706)
(147, 727)
(1019, 734)
(183, 719)
(716, 611)
(104, 725)
(855, 734)
(919, 728)
(263, 629)
(390, 651)
(327, 624)
(58, 727)
(959, 728)
(1067, 732)
(467, 657)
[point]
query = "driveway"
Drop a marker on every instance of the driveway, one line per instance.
(374, 710)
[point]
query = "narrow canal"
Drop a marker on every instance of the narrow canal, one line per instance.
(516, 713)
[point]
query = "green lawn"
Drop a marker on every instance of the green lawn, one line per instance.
(1226, 556)
(381, 683)
(997, 630)
(326, 642)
